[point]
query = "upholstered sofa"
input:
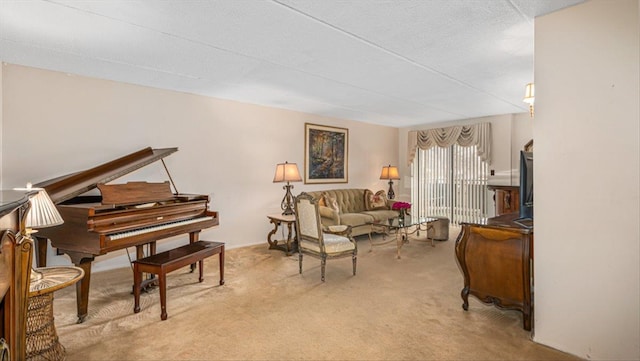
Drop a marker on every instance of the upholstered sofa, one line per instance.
(353, 207)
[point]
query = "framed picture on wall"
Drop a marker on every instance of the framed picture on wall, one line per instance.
(326, 154)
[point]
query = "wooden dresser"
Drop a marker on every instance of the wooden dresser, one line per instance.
(496, 259)
(15, 270)
(507, 199)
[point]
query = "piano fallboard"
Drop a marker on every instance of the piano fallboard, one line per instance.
(120, 221)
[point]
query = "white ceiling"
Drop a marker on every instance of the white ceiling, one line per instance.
(396, 63)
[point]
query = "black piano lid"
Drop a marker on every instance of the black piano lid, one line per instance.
(66, 187)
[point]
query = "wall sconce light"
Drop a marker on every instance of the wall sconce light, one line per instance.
(390, 173)
(530, 96)
(287, 172)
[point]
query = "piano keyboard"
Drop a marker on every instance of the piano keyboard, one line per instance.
(140, 231)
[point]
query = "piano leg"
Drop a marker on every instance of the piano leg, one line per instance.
(140, 250)
(149, 280)
(41, 254)
(83, 261)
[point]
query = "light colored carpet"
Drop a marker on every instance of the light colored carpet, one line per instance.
(393, 309)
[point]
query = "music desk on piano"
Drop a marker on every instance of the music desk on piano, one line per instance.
(123, 215)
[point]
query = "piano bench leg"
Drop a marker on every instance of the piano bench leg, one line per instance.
(163, 295)
(137, 280)
(221, 259)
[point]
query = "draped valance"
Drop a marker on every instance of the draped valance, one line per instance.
(478, 135)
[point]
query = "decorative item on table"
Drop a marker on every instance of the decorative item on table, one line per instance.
(402, 208)
(287, 172)
(390, 172)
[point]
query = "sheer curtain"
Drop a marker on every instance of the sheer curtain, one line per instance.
(450, 170)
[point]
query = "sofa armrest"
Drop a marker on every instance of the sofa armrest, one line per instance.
(390, 203)
(329, 217)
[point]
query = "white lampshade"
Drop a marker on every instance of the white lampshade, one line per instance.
(390, 172)
(42, 213)
(287, 172)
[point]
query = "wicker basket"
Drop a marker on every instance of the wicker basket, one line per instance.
(42, 338)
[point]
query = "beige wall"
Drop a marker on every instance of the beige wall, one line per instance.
(587, 160)
(521, 134)
(56, 123)
(1, 131)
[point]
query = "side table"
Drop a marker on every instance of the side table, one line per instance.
(42, 338)
(290, 221)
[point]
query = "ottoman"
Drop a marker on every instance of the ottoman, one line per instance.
(440, 230)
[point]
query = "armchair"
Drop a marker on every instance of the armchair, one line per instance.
(315, 241)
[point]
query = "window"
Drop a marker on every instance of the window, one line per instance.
(450, 182)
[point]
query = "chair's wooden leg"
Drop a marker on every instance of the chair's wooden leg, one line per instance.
(355, 258)
(300, 261)
(201, 272)
(323, 265)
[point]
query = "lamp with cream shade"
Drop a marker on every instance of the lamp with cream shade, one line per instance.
(530, 96)
(42, 213)
(287, 172)
(390, 172)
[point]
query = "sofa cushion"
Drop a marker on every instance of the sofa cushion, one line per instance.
(331, 202)
(355, 219)
(376, 201)
(350, 200)
(326, 212)
(367, 199)
(382, 215)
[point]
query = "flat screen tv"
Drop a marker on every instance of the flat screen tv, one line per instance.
(526, 185)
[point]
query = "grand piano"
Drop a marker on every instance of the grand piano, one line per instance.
(134, 214)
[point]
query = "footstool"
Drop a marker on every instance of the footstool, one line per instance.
(440, 229)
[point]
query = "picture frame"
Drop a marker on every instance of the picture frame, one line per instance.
(326, 154)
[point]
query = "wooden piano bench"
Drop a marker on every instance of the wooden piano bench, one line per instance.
(171, 260)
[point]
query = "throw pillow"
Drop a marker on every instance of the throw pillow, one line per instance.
(331, 202)
(367, 197)
(378, 200)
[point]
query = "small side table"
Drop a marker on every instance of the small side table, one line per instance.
(290, 221)
(42, 338)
